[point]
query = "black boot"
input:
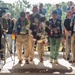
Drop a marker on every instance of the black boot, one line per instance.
(20, 62)
(27, 62)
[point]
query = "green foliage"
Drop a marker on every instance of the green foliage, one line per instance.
(16, 7)
(23, 5)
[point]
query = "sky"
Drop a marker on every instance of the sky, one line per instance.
(41, 1)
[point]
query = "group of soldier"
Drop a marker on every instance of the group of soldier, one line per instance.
(34, 29)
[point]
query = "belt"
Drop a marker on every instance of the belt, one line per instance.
(23, 34)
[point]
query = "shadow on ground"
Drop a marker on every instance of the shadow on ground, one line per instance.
(36, 69)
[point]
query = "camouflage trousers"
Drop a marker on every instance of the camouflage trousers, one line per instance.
(22, 40)
(54, 47)
(73, 46)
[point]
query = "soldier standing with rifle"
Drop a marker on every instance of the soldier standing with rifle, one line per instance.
(54, 31)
